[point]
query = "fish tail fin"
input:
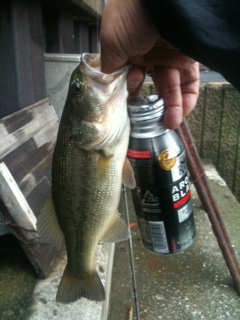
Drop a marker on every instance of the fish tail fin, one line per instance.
(71, 288)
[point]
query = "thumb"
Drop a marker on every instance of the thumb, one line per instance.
(110, 60)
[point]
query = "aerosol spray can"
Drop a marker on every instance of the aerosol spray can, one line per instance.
(162, 197)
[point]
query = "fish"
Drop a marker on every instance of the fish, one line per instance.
(88, 168)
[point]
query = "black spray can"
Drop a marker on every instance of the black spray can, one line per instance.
(162, 197)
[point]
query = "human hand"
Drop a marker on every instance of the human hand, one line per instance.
(128, 35)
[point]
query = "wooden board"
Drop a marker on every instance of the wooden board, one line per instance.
(19, 210)
(27, 140)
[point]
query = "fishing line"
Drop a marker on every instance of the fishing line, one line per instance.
(126, 212)
(131, 253)
(97, 18)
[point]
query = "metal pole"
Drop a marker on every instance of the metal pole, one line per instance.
(131, 253)
(200, 182)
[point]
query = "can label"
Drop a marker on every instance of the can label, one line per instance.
(154, 234)
(167, 159)
(162, 198)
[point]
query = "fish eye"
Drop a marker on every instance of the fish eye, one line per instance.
(76, 88)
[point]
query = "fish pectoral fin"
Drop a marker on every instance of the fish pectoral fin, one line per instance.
(103, 168)
(128, 178)
(48, 227)
(117, 230)
(72, 288)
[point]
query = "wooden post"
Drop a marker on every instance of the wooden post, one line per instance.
(59, 32)
(27, 139)
(66, 33)
(22, 80)
(94, 39)
(81, 37)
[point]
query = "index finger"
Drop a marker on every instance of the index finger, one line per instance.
(179, 88)
(168, 85)
(113, 57)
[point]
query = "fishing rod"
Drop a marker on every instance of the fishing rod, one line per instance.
(134, 281)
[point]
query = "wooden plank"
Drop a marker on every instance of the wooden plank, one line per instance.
(51, 31)
(81, 37)
(8, 79)
(37, 50)
(17, 120)
(42, 127)
(19, 160)
(42, 257)
(27, 140)
(94, 39)
(16, 204)
(22, 80)
(59, 33)
(27, 151)
(38, 195)
(27, 159)
(66, 33)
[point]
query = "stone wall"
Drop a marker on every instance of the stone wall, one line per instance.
(215, 126)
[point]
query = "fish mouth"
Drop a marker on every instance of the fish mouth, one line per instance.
(90, 65)
(107, 95)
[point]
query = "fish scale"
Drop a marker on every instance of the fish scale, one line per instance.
(89, 163)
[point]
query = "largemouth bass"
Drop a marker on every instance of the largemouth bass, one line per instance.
(89, 165)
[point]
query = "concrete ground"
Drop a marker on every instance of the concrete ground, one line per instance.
(43, 305)
(17, 280)
(194, 284)
(24, 297)
(211, 76)
(205, 76)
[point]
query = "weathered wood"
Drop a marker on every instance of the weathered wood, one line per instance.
(27, 140)
(89, 10)
(66, 33)
(26, 146)
(17, 206)
(51, 31)
(94, 39)
(38, 121)
(59, 32)
(22, 80)
(81, 37)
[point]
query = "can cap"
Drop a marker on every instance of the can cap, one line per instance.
(146, 108)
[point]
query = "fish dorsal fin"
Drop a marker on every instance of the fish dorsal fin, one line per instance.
(48, 226)
(117, 230)
(128, 178)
